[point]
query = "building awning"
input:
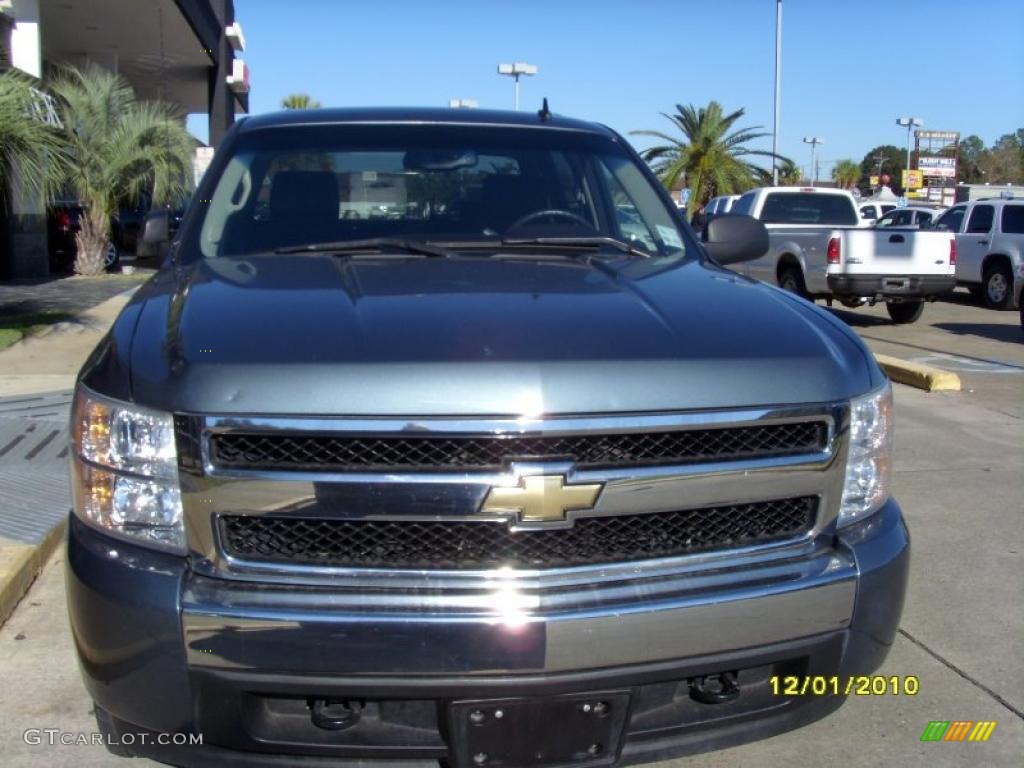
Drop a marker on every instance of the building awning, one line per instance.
(160, 51)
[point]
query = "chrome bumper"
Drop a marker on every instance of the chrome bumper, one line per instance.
(506, 627)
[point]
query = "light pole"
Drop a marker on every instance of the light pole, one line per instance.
(516, 70)
(911, 123)
(814, 141)
(778, 72)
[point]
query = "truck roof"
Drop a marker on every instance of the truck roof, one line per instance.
(421, 115)
(820, 190)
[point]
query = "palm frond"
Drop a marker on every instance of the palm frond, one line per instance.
(708, 152)
(32, 153)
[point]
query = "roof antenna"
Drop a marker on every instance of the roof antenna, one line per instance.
(544, 113)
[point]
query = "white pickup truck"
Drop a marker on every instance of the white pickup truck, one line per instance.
(819, 251)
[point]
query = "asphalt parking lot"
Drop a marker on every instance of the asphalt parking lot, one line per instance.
(959, 475)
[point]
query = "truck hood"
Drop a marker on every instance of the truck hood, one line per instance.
(320, 335)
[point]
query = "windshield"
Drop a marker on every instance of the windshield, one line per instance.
(300, 185)
(808, 208)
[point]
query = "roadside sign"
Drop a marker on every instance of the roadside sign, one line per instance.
(873, 181)
(901, 202)
(913, 179)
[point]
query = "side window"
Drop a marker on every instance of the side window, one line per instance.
(981, 219)
(867, 212)
(923, 219)
(1013, 219)
(630, 223)
(745, 204)
(951, 219)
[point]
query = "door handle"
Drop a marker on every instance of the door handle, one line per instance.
(895, 238)
(983, 242)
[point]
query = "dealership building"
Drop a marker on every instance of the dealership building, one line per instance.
(186, 52)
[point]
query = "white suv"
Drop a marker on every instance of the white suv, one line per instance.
(989, 247)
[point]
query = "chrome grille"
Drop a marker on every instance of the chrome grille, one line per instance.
(478, 544)
(370, 453)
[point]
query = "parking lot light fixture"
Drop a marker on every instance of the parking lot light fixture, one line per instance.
(814, 141)
(515, 71)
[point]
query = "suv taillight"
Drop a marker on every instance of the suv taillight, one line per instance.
(63, 220)
(833, 251)
(952, 251)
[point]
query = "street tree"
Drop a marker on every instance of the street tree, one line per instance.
(118, 147)
(299, 101)
(789, 174)
(972, 151)
(1003, 163)
(884, 159)
(845, 173)
(708, 151)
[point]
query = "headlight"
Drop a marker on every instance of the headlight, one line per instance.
(125, 471)
(869, 462)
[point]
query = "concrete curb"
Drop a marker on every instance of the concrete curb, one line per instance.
(19, 566)
(925, 377)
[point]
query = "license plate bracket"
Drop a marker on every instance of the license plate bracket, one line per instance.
(576, 729)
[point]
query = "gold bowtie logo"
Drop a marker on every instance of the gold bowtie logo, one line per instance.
(541, 498)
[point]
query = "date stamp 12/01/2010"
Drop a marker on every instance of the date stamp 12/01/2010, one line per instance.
(859, 685)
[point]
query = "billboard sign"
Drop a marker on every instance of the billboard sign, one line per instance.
(937, 166)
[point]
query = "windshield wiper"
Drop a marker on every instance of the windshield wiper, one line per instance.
(596, 241)
(380, 244)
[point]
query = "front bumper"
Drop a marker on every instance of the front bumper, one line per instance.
(237, 662)
(895, 286)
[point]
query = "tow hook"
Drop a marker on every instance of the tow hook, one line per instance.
(714, 689)
(333, 715)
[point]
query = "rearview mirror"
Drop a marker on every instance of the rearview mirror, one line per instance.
(734, 237)
(439, 159)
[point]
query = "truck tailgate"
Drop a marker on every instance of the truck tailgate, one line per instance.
(893, 251)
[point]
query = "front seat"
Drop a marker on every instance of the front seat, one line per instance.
(304, 208)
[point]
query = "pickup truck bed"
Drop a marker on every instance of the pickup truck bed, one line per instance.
(839, 260)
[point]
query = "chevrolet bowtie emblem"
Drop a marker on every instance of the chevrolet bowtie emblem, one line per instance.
(541, 498)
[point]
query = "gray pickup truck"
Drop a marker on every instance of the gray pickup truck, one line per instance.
(439, 438)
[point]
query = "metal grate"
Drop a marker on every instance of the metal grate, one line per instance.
(457, 545)
(338, 453)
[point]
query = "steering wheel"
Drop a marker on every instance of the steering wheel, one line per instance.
(550, 212)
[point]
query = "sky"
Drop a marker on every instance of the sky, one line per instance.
(849, 67)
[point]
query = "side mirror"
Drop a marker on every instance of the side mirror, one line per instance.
(158, 229)
(733, 237)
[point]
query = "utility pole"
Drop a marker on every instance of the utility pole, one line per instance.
(814, 141)
(778, 73)
(880, 159)
(910, 123)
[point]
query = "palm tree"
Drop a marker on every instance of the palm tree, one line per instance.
(118, 148)
(846, 173)
(711, 158)
(789, 174)
(299, 101)
(29, 147)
